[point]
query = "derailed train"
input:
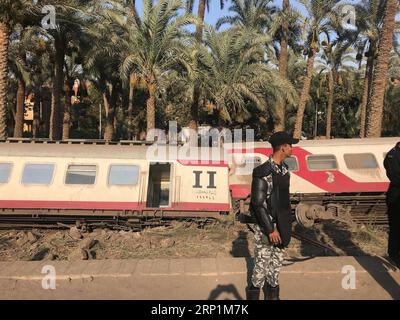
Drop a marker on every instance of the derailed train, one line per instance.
(329, 178)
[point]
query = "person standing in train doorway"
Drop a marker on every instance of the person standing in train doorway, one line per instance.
(392, 166)
(271, 209)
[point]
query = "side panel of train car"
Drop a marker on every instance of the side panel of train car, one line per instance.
(107, 178)
(335, 166)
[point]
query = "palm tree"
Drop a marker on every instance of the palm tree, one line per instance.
(40, 64)
(259, 16)
(237, 79)
(375, 104)
(286, 22)
(72, 72)
(254, 15)
(11, 13)
(154, 46)
(332, 60)
(103, 61)
(369, 15)
(201, 12)
(19, 68)
(280, 112)
(71, 17)
(253, 19)
(134, 79)
(4, 39)
(335, 53)
(319, 11)
(391, 125)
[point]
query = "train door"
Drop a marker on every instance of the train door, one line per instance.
(159, 186)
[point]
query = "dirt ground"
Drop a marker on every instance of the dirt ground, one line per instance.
(183, 240)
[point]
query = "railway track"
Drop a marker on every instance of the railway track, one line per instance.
(28, 222)
(89, 223)
(25, 223)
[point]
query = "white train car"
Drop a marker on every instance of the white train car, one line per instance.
(91, 179)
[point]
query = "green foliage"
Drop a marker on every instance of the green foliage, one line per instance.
(106, 42)
(237, 76)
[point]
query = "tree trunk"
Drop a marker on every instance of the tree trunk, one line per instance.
(201, 13)
(4, 42)
(20, 110)
(151, 105)
(58, 79)
(281, 106)
(331, 88)
(369, 72)
(46, 97)
(36, 114)
(131, 12)
(109, 130)
(67, 114)
(375, 104)
(304, 96)
(109, 106)
(132, 82)
(194, 110)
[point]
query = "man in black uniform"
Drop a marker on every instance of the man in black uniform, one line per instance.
(270, 207)
(392, 166)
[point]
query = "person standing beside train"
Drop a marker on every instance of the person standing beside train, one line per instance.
(271, 209)
(392, 166)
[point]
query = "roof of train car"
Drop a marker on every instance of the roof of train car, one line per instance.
(92, 151)
(140, 151)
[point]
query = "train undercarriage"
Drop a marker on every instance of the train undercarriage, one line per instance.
(308, 209)
(366, 208)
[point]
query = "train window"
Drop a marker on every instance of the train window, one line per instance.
(5, 172)
(38, 173)
(123, 175)
(360, 161)
(292, 163)
(81, 174)
(322, 162)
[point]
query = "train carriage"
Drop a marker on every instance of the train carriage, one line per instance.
(330, 178)
(123, 180)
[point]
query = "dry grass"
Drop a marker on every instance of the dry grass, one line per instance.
(188, 240)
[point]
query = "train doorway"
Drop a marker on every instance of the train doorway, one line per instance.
(158, 191)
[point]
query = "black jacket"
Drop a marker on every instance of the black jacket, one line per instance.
(392, 166)
(275, 210)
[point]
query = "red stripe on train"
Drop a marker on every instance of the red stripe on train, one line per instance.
(96, 205)
(341, 182)
(240, 191)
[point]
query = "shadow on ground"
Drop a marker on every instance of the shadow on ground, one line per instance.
(240, 249)
(378, 270)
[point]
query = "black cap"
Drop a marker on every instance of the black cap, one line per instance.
(280, 138)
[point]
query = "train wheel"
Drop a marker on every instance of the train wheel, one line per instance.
(301, 215)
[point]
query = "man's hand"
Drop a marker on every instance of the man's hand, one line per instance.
(275, 237)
